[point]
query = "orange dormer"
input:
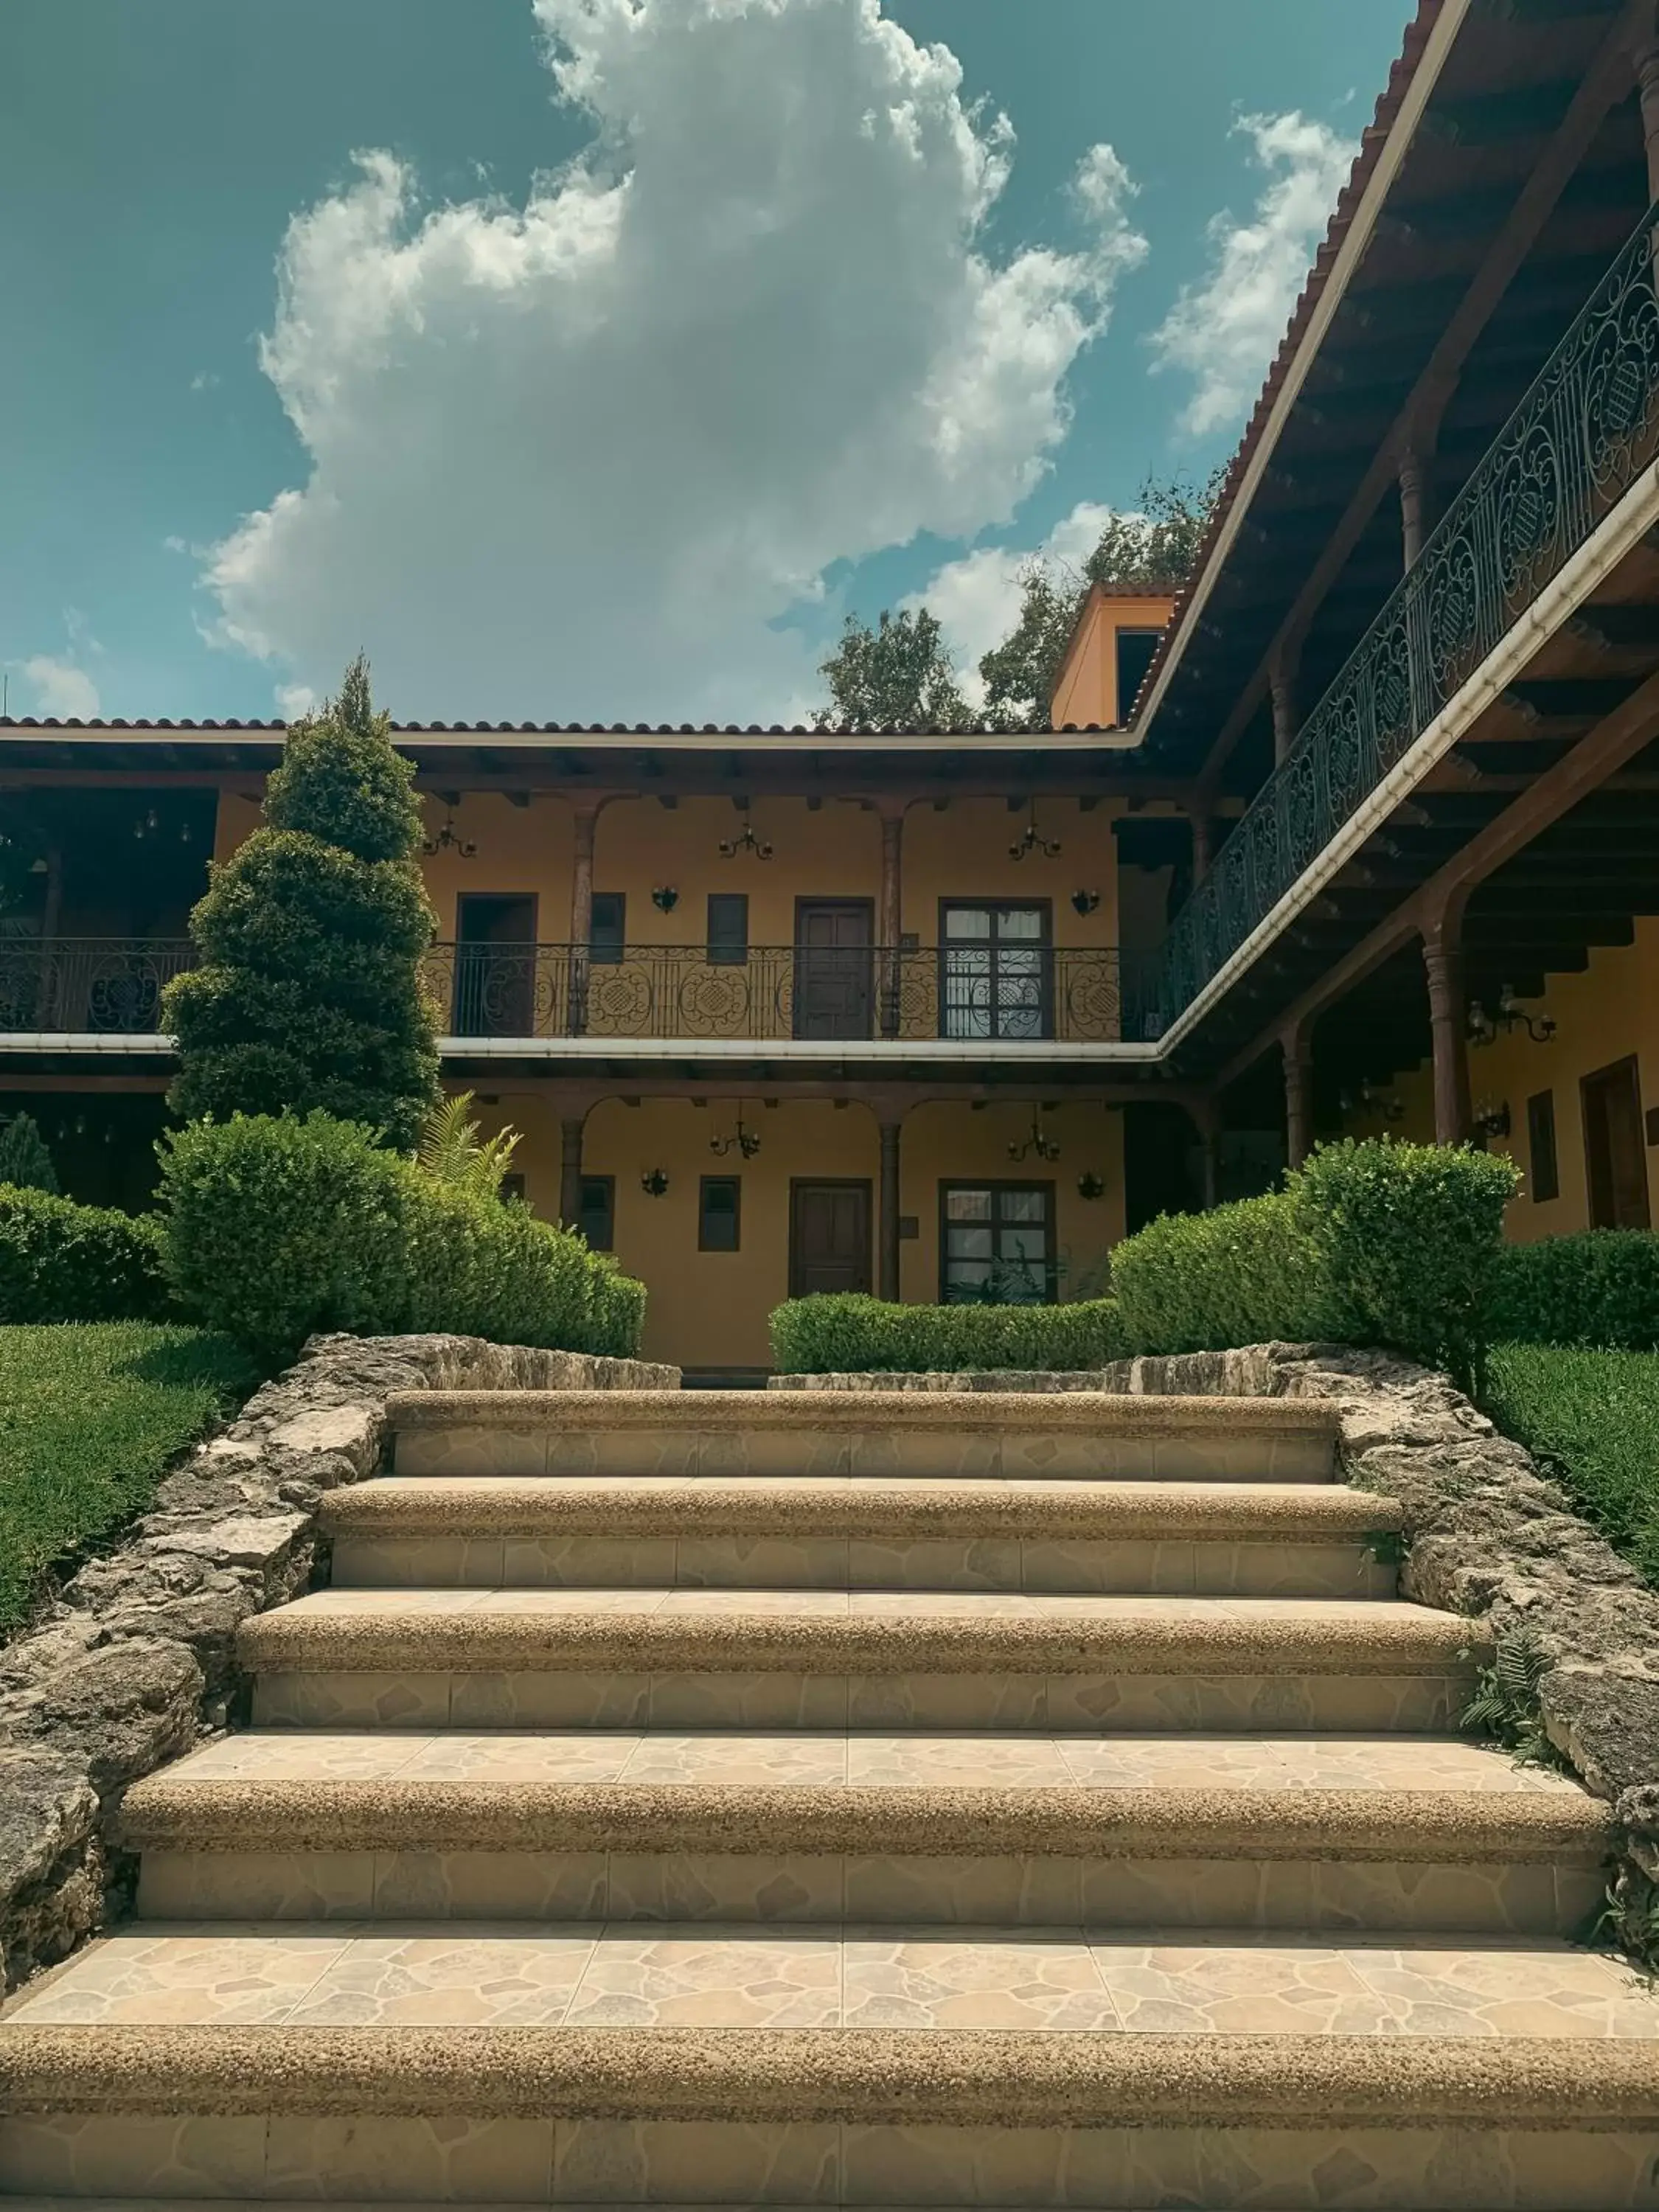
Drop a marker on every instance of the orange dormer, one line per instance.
(1110, 650)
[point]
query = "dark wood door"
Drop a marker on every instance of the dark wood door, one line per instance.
(1614, 1155)
(828, 1237)
(495, 964)
(834, 968)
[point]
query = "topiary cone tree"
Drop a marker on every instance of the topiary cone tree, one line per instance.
(308, 994)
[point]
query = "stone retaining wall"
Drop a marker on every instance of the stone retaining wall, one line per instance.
(137, 1659)
(1487, 1536)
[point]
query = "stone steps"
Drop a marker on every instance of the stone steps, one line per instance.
(849, 1798)
(862, 1532)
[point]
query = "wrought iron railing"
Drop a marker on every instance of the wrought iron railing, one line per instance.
(1575, 445)
(1022, 993)
(978, 991)
(80, 985)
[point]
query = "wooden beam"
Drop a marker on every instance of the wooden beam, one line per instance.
(1604, 84)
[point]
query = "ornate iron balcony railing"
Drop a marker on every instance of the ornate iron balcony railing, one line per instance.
(1023, 993)
(1574, 446)
(679, 993)
(85, 985)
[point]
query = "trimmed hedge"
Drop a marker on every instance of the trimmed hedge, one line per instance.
(1373, 1242)
(1592, 1418)
(848, 1332)
(276, 1227)
(1598, 1289)
(62, 1263)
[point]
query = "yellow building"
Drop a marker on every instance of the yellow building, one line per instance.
(1362, 832)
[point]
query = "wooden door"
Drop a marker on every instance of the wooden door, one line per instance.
(1615, 1154)
(829, 1237)
(495, 964)
(834, 968)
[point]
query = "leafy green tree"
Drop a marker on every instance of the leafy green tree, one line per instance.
(25, 1162)
(309, 994)
(1154, 548)
(896, 677)
(1020, 675)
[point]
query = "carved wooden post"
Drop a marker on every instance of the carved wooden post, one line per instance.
(890, 913)
(1442, 957)
(1203, 852)
(570, 1169)
(582, 914)
(1281, 687)
(1414, 520)
(888, 1282)
(1296, 1045)
(1644, 62)
(1206, 1114)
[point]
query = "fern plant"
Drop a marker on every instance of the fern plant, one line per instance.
(1507, 1702)
(453, 1151)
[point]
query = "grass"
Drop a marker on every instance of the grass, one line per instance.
(1592, 1418)
(90, 1414)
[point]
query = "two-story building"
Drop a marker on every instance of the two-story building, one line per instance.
(1363, 832)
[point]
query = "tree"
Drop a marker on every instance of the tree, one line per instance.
(309, 993)
(896, 677)
(1020, 674)
(24, 1160)
(1154, 548)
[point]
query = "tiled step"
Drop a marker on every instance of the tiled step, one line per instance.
(1020, 1831)
(862, 1659)
(1074, 1436)
(862, 1532)
(886, 2066)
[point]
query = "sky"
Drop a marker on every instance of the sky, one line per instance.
(592, 360)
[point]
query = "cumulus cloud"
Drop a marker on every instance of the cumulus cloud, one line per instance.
(576, 459)
(976, 597)
(1223, 331)
(61, 689)
(294, 701)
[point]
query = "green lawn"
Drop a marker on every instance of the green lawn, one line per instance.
(1593, 1418)
(90, 1414)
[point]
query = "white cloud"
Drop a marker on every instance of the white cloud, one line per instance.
(575, 459)
(977, 598)
(294, 701)
(205, 379)
(1224, 331)
(61, 689)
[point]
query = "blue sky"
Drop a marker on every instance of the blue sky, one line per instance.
(605, 393)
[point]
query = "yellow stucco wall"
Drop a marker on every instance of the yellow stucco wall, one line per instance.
(1086, 688)
(710, 1309)
(1609, 1010)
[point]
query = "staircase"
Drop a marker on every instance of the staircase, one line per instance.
(812, 1799)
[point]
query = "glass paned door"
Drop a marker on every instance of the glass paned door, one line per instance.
(995, 980)
(997, 1245)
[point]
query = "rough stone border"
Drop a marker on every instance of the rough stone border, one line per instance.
(1487, 1536)
(137, 1660)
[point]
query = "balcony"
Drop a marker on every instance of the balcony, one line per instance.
(85, 993)
(1585, 435)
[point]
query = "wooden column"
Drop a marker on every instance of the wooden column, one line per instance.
(1206, 1114)
(1415, 522)
(586, 818)
(570, 1169)
(1203, 829)
(1281, 687)
(1442, 957)
(1297, 1046)
(889, 918)
(50, 1006)
(887, 1283)
(1644, 63)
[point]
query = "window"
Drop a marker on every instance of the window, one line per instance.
(512, 1189)
(728, 929)
(996, 966)
(996, 1244)
(598, 1219)
(607, 929)
(717, 1213)
(1544, 1178)
(1136, 648)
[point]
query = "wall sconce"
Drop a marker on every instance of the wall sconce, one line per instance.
(1090, 1186)
(1369, 1099)
(1044, 1146)
(449, 838)
(1482, 1028)
(150, 824)
(1491, 1121)
(746, 1142)
(654, 1183)
(665, 898)
(747, 841)
(1085, 902)
(1033, 841)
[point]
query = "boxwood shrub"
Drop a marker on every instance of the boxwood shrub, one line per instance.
(276, 1226)
(848, 1332)
(62, 1263)
(1599, 1290)
(1373, 1242)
